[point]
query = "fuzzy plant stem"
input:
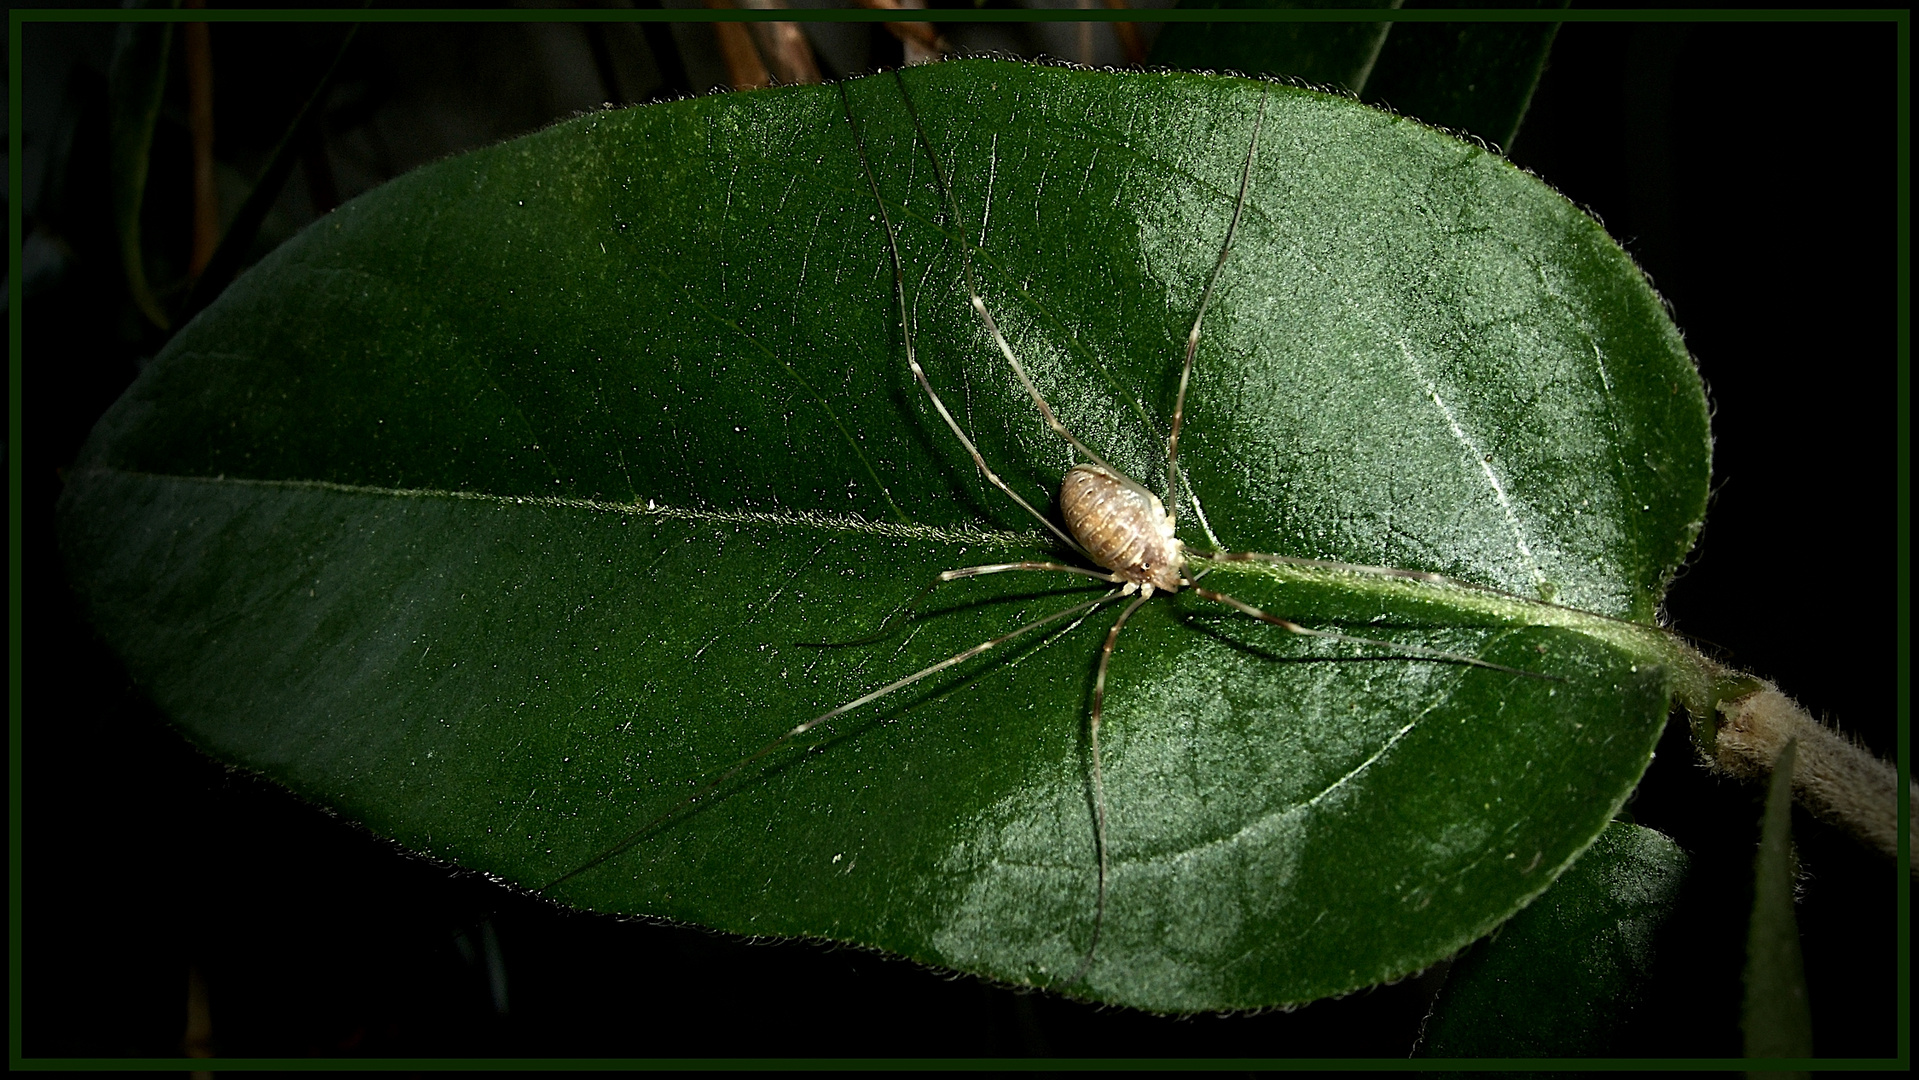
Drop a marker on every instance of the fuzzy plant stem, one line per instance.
(1833, 777)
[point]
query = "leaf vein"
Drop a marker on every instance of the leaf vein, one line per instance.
(1000, 540)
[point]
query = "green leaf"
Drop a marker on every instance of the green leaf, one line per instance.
(1337, 54)
(498, 511)
(1569, 976)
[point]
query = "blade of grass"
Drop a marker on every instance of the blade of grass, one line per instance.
(1323, 53)
(239, 237)
(1473, 77)
(1777, 1021)
(137, 82)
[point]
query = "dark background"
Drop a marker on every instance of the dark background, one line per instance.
(1750, 168)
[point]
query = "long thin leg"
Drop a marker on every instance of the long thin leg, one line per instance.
(1206, 299)
(955, 575)
(899, 288)
(1000, 568)
(898, 684)
(1099, 780)
(979, 302)
(1295, 628)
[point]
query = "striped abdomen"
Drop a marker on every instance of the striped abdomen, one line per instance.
(1124, 528)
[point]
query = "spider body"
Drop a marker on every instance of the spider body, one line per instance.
(1124, 528)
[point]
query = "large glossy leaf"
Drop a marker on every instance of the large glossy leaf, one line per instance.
(499, 510)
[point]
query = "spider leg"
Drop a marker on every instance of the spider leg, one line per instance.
(899, 289)
(1205, 300)
(1099, 779)
(986, 315)
(1393, 571)
(955, 575)
(711, 786)
(1307, 631)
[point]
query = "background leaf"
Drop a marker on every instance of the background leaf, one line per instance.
(1477, 78)
(1335, 54)
(1570, 976)
(415, 574)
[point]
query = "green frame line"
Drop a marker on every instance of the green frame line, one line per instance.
(964, 15)
(1902, 550)
(1055, 1065)
(1902, 513)
(15, 529)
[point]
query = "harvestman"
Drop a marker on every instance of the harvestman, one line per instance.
(1111, 521)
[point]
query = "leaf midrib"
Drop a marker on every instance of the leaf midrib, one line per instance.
(1634, 638)
(793, 519)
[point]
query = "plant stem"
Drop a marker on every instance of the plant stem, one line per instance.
(1836, 779)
